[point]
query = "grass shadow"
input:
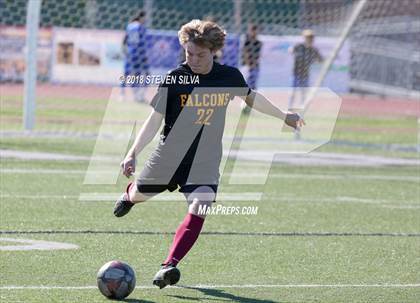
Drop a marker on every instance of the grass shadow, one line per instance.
(136, 301)
(222, 294)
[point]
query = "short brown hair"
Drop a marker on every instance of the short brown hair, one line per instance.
(138, 16)
(203, 33)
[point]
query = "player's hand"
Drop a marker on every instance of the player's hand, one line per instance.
(294, 120)
(128, 166)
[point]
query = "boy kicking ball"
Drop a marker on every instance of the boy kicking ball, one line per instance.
(190, 148)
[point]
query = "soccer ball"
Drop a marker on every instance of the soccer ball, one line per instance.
(116, 280)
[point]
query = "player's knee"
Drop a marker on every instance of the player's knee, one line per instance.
(200, 200)
(199, 208)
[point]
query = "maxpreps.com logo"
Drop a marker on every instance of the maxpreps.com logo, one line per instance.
(227, 210)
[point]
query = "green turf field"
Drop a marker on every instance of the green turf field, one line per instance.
(321, 234)
(335, 239)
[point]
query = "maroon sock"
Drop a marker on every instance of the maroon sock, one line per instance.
(185, 237)
(128, 190)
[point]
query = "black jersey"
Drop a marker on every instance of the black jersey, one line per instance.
(304, 57)
(194, 107)
(251, 52)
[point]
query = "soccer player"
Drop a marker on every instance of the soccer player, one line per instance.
(190, 148)
(134, 48)
(251, 57)
(305, 54)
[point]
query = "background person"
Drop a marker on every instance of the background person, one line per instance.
(305, 54)
(251, 53)
(135, 51)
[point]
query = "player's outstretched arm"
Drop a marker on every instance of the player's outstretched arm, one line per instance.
(144, 137)
(260, 103)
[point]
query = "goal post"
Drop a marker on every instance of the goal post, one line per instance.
(29, 97)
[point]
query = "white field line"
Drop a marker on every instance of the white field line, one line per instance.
(245, 196)
(111, 197)
(314, 158)
(402, 206)
(328, 176)
(236, 197)
(37, 197)
(246, 175)
(34, 245)
(202, 286)
(41, 171)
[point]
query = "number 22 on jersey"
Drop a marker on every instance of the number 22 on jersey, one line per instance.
(204, 116)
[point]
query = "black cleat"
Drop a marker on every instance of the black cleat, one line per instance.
(167, 275)
(122, 206)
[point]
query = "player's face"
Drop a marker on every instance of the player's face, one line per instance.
(252, 32)
(309, 40)
(199, 59)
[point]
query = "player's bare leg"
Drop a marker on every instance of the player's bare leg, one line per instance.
(185, 236)
(127, 200)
